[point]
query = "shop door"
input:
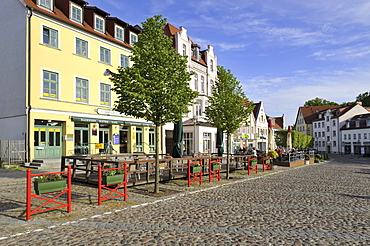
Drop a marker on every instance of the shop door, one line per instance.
(47, 142)
(123, 147)
(82, 141)
(104, 138)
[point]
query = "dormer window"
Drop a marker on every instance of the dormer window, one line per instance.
(367, 122)
(347, 124)
(99, 24)
(119, 33)
(76, 13)
(357, 123)
(133, 38)
(46, 4)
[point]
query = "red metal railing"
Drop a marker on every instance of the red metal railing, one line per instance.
(252, 165)
(40, 209)
(112, 191)
(194, 177)
(266, 163)
(214, 174)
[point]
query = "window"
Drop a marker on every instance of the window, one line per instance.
(82, 90)
(184, 50)
(334, 143)
(368, 122)
(333, 122)
(334, 133)
(81, 48)
(206, 142)
(349, 136)
(139, 139)
(319, 124)
(345, 136)
(211, 84)
(323, 134)
(359, 136)
(50, 37)
(198, 108)
(357, 123)
(99, 24)
(211, 65)
(365, 136)
(315, 125)
(105, 94)
(319, 134)
(119, 33)
(50, 84)
(133, 38)
(188, 143)
(323, 124)
(76, 14)
(45, 3)
(354, 136)
(315, 134)
(104, 55)
(327, 129)
(151, 140)
(125, 61)
(196, 82)
(202, 84)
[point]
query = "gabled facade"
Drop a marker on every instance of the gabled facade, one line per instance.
(306, 115)
(326, 128)
(356, 135)
(54, 90)
(261, 127)
(199, 135)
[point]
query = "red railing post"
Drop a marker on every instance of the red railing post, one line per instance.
(28, 195)
(125, 179)
(188, 173)
(99, 184)
(69, 187)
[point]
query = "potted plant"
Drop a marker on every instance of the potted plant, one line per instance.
(306, 159)
(195, 168)
(318, 158)
(49, 183)
(113, 177)
(253, 162)
(215, 166)
(273, 154)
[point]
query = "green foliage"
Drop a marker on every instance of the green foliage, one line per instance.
(273, 154)
(299, 140)
(364, 98)
(44, 178)
(319, 102)
(228, 106)
(155, 87)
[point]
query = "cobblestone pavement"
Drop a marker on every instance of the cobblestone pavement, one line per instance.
(319, 204)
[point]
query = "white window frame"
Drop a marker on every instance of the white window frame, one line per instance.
(42, 69)
(202, 84)
(97, 17)
(51, 7)
(133, 35)
(122, 39)
(57, 38)
(196, 82)
(110, 94)
(198, 107)
(110, 55)
(88, 89)
(88, 47)
(120, 60)
(71, 13)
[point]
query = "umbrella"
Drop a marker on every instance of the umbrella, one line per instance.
(219, 142)
(289, 139)
(270, 141)
(177, 139)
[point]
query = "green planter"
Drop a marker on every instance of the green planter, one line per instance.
(215, 167)
(267, 161)
(115, 179)
(49, 186)
(253, 163)
(195, 169)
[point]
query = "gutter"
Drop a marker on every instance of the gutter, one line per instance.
(28, 87)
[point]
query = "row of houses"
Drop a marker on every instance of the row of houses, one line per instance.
(336, 129)
(56, 96)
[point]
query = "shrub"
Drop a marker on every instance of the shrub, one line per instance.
(273, 154)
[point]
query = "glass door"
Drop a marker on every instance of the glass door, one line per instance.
(81, 139)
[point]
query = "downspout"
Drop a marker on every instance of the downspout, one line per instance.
(28, 87)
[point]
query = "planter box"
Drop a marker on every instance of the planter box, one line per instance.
(195, 169)
(215, 167)
(115, 179)
(49, 186)
(267, 161)
(253, 163)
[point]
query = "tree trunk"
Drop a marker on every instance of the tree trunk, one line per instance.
(156, 183)
(227, 156)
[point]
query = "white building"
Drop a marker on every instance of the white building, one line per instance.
(199, 135)
(326, 129)
(356, 135)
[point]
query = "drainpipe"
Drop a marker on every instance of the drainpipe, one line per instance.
(28, 88)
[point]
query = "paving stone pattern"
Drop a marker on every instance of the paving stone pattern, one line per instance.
(319, 204)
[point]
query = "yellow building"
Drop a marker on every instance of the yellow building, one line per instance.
(67, 94)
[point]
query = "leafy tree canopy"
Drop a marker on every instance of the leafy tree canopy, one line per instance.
(319, 102)
(155, 87)
(364, 98)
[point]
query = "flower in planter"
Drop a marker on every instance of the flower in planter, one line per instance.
(44, 178)
(109, 172)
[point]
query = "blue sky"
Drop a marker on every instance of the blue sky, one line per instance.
(284, 52)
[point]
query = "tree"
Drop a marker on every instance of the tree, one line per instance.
(364, 98)
(319, 102)
(228, 106)
(155, 87)
(299, 140)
